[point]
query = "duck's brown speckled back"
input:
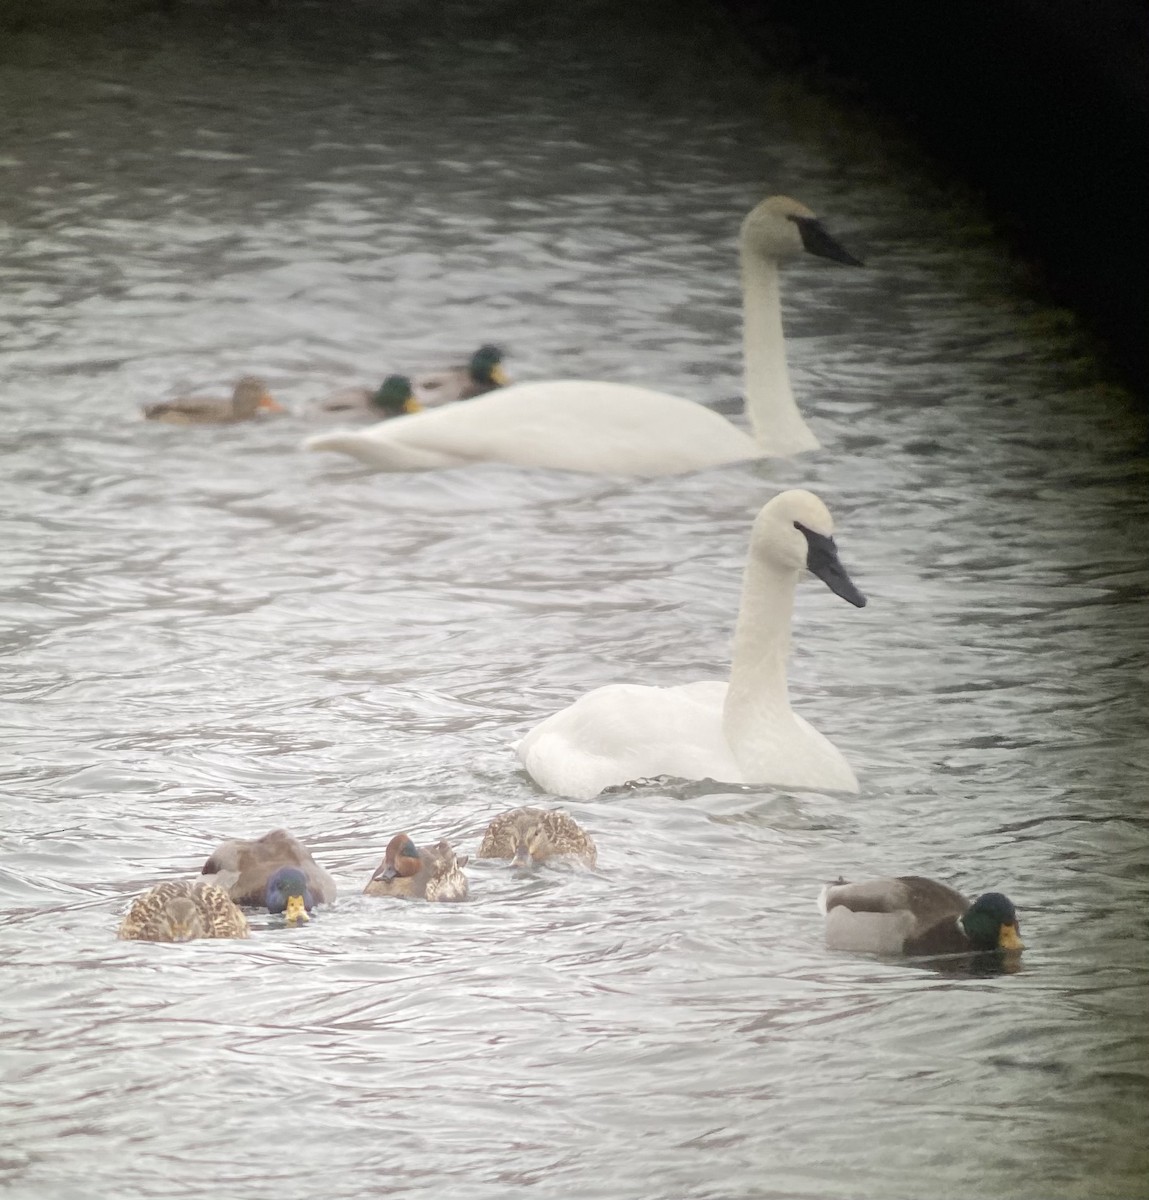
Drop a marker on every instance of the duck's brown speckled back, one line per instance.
(181, 911)
(537, 834)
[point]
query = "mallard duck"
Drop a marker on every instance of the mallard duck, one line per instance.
(430, 873)
(180, 911)
(617, 428)
(482, 374)
(287, 892)
(529, 836)
(739, 730)
(247, 870)
(392, 398)
(249, 398)
(912, 915)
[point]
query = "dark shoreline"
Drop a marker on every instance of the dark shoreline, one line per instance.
(1042, 107)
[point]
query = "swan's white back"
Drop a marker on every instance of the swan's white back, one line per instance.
(614, 428)
(626, 731)
(570, 424)
(741, 732)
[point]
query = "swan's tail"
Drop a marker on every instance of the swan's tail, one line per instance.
(824, 894)
(343, 441)
(384, 453)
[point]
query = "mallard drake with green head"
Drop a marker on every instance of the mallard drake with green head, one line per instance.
(248, 400)
(181, 911)
(483, 373)
(393, 398)
(530, 836)
(916, 916)
(266, 872)
(287, 893)
(411, 873)
(398, 395)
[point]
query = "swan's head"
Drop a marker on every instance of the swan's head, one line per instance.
(486, 367)
(287, 893)
(991, 923)
(394, 397)
(251, 395)
(400, 861)
(780, 228)
(795, 531)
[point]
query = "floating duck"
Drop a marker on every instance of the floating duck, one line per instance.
(430, 873)
(392, 398)
(181, 911)
(398, 396)
(246, 870)
(484, 373)
(531, 836)
(287, 893)
(912, 915)
(248, 400)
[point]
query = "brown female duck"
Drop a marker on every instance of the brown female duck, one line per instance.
(180, 911)
(529, 836)
(249, 398)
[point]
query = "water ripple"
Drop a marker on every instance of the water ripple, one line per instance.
(207, 634)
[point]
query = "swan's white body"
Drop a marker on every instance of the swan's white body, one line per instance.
(567, 424)
(616, 428)
(738, 732)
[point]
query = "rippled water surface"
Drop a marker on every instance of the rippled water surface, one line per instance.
(208, 633)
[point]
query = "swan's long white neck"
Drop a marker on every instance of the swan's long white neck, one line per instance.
(777, 423)
(758, 693)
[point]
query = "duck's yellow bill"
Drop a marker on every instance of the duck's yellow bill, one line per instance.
(412, 406)
(296, 910)
(1009, 939)
(499, 376)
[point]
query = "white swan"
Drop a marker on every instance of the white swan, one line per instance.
(616, 428)
(738, 732)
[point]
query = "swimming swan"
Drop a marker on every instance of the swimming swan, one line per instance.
(737, 732)
(617, 428)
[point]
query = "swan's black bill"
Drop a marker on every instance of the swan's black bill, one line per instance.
(817, 240)
(822, 560)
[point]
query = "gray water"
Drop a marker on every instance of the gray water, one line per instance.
(208, 633)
